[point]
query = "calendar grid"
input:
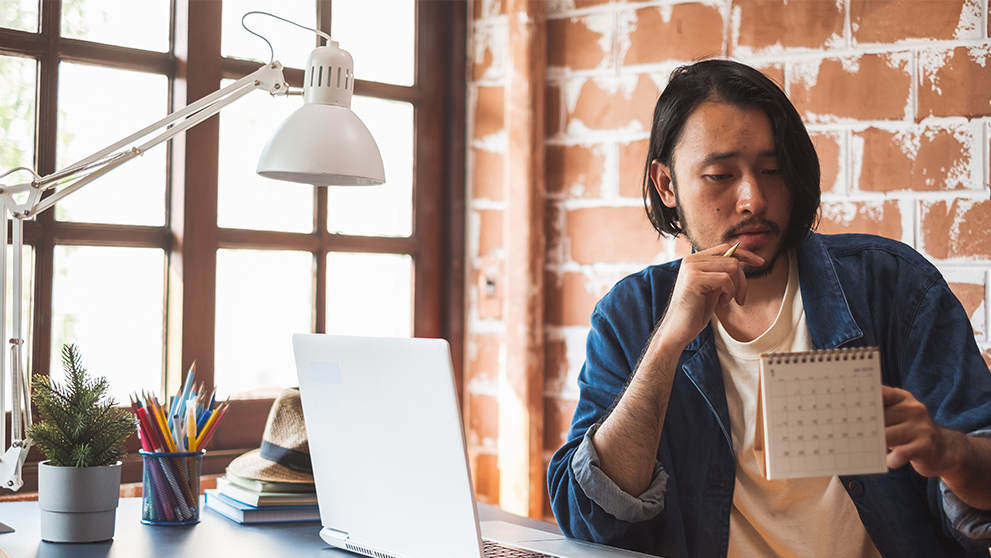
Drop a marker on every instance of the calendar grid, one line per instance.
(822, 413)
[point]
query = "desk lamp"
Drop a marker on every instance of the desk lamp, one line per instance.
(323, 143)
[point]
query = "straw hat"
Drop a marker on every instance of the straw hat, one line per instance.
(285, 452)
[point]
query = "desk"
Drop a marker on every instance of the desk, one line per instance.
(214, 536)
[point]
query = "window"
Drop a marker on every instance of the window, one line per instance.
(185, 254)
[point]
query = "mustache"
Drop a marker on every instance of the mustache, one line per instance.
(750, 222)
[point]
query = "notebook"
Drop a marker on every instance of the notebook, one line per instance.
(389, 457)
(820, 413)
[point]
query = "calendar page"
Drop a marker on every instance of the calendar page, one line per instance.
(820, 414)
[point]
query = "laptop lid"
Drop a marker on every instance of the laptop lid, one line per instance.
(387, 446)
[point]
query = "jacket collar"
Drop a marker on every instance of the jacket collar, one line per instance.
(827, 312)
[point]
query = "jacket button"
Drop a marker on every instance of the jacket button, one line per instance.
(856, 488)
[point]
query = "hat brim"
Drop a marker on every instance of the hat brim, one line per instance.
(252, 465)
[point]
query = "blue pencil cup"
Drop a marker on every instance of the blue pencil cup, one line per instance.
(170, 493)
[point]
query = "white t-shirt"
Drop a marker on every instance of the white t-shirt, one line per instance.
(795, 517)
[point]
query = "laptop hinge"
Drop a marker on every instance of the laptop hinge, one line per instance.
(339, 535)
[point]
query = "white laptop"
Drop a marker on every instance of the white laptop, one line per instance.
(389, 456)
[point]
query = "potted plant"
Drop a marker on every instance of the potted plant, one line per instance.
(82, 433)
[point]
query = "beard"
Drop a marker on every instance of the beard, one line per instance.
(749, 271)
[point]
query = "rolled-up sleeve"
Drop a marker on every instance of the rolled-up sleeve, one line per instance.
(610, 497)
(972, 523)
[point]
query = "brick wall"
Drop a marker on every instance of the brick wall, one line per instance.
(896, 95)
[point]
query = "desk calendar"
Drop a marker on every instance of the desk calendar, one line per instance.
(820, 414)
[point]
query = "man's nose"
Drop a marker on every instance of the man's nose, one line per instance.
(750, 195)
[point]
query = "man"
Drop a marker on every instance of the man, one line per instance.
(660, 456)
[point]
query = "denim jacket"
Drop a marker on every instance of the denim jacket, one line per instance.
(858, 290)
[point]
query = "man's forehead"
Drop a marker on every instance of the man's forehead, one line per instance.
(717, 131)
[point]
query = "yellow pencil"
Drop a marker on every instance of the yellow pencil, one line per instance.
(191, 428)
(164, 424)
(206, 427)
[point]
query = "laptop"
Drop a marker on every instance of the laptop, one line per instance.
(389, 458)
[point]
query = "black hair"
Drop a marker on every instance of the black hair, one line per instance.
(744, 87)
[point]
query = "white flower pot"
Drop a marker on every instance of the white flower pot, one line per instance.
(78, 504)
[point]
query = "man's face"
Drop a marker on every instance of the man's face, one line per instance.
(725, 182)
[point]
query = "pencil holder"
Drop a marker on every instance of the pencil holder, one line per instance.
(170, 494)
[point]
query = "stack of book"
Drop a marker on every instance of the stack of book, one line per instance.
(254, 501)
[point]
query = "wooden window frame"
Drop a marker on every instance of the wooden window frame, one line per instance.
(191, 237)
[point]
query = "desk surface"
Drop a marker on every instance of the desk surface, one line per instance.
(214, 536)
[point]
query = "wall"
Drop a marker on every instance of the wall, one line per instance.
(896, 95)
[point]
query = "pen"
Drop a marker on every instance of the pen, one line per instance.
(731, 250)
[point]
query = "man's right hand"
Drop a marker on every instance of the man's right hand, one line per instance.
(706, 278)
(626, 441)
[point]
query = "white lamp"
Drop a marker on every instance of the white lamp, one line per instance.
(323, 143)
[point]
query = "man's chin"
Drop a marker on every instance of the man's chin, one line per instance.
(758, 271)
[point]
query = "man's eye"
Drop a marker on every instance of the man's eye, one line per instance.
(772, 172)
(718, 177)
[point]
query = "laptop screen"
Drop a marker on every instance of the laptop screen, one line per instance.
(387, 445)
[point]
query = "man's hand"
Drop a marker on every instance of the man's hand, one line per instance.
(627, 440)
(912, 436)
(706, 278)
(962, 462)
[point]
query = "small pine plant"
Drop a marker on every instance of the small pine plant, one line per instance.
(80, 425)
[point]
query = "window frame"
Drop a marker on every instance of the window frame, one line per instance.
(191, 236)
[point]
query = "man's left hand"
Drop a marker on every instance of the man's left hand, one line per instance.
(962, 462)
(912, 437)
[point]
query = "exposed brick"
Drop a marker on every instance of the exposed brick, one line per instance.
(615, 105)
(555, 364)
(479, 67)
(575, 170)
(483, 420)
(485, 477)
(483, 361)
(557, 420)
(573, 44)
(881, 218)
(890, 21)
(553, 110)
(611, 235)
(971, 296)
(489, 288)
(679, 32)
(487, 174)
(490, 232)
(570, 299)
(955, 82)
(490, 111)
(579, 4)
(774, 72)
(864, 87)
(632, 158)
(921, 160)
(553, 233)
(488, 8)
(827, 145)
(487, 57)
(780, 23)
(956, 228)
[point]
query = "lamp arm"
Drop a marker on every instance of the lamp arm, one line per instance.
(269, 77)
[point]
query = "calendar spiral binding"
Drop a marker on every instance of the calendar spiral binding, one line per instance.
(822, 355)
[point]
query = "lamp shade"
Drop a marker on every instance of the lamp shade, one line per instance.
(324, 143)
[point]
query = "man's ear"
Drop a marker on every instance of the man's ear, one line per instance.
(661, 176)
